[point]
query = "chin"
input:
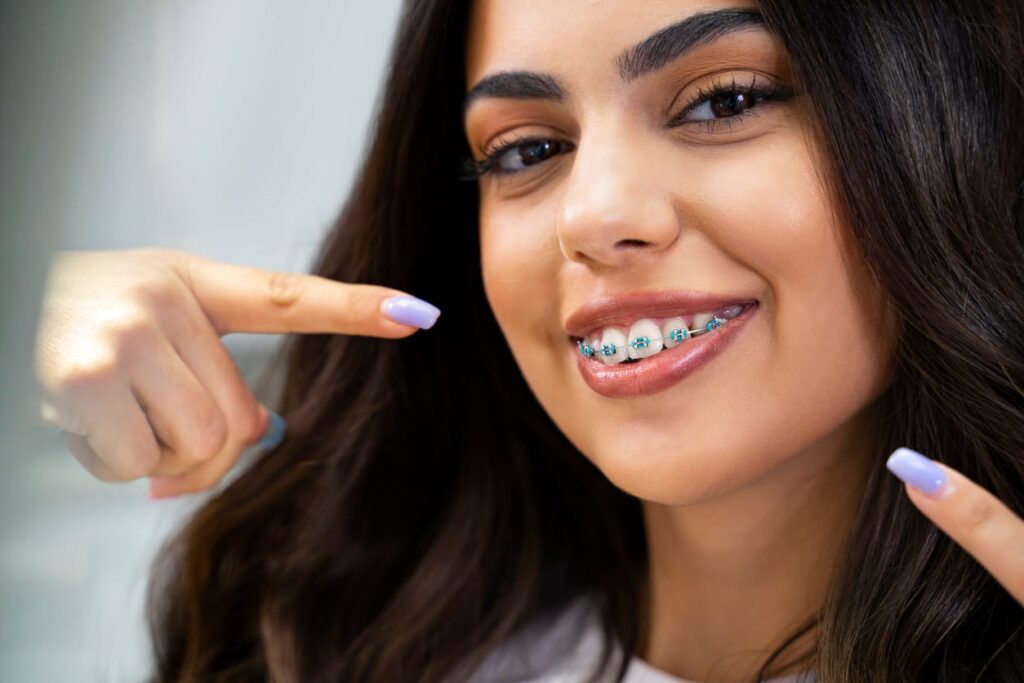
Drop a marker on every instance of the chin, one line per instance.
(673, 473)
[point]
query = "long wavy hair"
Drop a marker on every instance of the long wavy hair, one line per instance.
(423, 508)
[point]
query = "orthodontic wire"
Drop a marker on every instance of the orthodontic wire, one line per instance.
(710, 325)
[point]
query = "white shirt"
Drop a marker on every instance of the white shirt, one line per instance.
(566, 648)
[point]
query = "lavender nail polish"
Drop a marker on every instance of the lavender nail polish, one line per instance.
(915, 469)
(275, 432)
(409, 310)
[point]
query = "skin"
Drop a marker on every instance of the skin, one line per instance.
(132, 369)
(749, 469)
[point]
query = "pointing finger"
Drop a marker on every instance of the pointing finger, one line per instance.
(246, 299)
(974, 518)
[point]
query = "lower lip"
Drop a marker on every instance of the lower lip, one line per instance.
(663, 369)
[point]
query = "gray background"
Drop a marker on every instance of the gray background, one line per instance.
(230, 128)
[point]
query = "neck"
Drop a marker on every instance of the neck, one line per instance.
(731, 578)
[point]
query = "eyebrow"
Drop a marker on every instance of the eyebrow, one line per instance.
(673, 41)
(650, 54)
(516, 85)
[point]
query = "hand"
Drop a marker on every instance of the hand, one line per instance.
(972, 516)
(129, 356)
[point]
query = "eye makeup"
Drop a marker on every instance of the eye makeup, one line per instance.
(519, 154)
(713, 99)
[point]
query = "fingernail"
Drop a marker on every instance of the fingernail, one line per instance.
(409, 310)
(275, 432)
(917, 470)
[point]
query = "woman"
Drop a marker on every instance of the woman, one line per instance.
(713, 263)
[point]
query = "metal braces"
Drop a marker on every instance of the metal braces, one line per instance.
(642, 342)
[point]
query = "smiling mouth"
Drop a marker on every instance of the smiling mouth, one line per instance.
(648, 337)
(614, 374)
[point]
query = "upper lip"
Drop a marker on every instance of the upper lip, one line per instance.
(621, 309)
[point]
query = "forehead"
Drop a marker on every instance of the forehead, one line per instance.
(568, 35)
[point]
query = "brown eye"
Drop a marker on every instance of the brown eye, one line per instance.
(730, 104)
(725, 104)
(519, 155)
(535, 152)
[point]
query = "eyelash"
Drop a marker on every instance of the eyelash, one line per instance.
(760, 93)
(771, 92)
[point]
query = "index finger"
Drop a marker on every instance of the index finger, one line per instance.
(246, 299)
(982, 524)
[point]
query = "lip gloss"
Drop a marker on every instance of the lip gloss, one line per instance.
(665, 368)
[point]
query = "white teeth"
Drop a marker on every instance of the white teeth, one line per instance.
(644, 328)
(657, 332)
(615, 336)
(668, 326)
(701, 319)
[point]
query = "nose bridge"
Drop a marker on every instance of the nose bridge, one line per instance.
(615, 202)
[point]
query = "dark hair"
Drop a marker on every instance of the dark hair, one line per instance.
(418, 513)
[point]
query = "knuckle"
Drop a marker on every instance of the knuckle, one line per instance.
(135, 469)
(200, 480)
(117, 330)
(106, 475)
(93, 462)
(283, 289)
(190, 325)
(979, 513)
(144, 460)
(94, 356)
(132, 332)
(166, 256)
(209, 437)
(171, 465)
(151, 294)
(85, 375)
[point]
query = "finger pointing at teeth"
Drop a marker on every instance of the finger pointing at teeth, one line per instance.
(133, 369)
(970, 515)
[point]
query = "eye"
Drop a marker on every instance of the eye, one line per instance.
(727, 103)
(515, 156)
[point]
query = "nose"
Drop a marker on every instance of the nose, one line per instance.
(617, 208)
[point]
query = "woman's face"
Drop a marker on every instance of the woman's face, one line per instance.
(636, 182)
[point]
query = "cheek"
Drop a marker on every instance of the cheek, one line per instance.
(519, 257)
(797, 377)
(817, 355)
(522, 267)
(823, 309)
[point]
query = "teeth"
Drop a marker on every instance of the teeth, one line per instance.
(701, 319)
(668, 327)
(612, 338)
(644, 338)
(647, 336)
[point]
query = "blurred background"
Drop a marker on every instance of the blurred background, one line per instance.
(229, 128)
